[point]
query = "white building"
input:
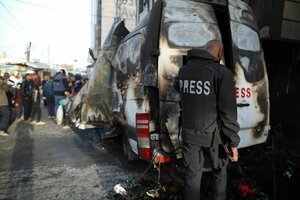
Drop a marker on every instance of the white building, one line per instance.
(105, 13)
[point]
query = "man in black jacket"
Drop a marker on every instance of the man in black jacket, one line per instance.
(209, 117)
(27, 94)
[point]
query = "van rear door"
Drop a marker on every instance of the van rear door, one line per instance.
(184, 25)
(250, 75)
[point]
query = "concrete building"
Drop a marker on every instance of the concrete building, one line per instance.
(105, 13)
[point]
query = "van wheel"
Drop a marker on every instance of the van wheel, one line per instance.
(127, 151)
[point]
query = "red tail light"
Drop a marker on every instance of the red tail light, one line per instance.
(143, 135)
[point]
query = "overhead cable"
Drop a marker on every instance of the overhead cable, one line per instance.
(23, 29)
(37, 5)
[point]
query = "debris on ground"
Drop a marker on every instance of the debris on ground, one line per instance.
(155, 192)
(120, 190)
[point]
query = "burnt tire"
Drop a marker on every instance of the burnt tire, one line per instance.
(127, 151)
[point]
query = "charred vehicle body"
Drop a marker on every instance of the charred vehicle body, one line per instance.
(136, 82)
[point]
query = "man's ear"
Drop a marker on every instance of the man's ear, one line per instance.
(220, 54)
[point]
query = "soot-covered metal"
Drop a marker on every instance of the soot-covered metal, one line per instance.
(134, 72)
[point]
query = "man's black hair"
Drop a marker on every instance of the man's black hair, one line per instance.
(63, 71)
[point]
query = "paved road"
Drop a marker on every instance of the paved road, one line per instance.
(49, 162)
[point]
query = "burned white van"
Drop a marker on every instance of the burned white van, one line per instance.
(130, 90)
(148, 59)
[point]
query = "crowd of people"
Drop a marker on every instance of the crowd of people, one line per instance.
(21, 98)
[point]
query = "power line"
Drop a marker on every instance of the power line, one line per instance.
(36, 5)
(14, 18)
(12, 26)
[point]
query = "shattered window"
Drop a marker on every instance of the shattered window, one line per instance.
(244, 37)
(192, 34)
(251, 63)
(247, 51)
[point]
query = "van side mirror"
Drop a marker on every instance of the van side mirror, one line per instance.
(92, 54)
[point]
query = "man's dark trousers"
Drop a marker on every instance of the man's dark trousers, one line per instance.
(194, 160)
(50, 105)
(27, 104)
(36, 110)
(4, 117)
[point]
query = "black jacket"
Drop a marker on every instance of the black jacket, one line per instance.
(207, 99)
(27, 89)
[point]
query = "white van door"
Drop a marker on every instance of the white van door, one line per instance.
(250, 75)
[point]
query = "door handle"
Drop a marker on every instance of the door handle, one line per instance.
(242, 104)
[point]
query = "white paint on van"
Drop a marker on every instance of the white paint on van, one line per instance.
(188, 34)
(188, 11)
(247, 138)
(236, 9)
(134, 146)
(249, 117)
(131, 104)
(190, 24)
(244, 37)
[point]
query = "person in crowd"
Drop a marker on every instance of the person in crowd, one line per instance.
(19, 78)
(48, 93)
(71, 79)
(11, 92)
(209, 118)
(78, 77)
(11, 102)
(44, 81)
(84, 80)
(60, 87)
(36, 78)
(77, 87)
(27, 93)
(18, 101)
(4, 108)
(61, 91)
(6, 76)
(36, 112)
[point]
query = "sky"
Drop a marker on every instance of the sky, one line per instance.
(58, 29)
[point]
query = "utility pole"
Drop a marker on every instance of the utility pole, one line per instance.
(27, 53)
(48, 52)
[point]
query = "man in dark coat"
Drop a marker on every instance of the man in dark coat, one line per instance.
(49, 94)
(60, 87)
(27, 94)
(209, 117)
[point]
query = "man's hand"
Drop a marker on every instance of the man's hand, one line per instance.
(235, 154)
